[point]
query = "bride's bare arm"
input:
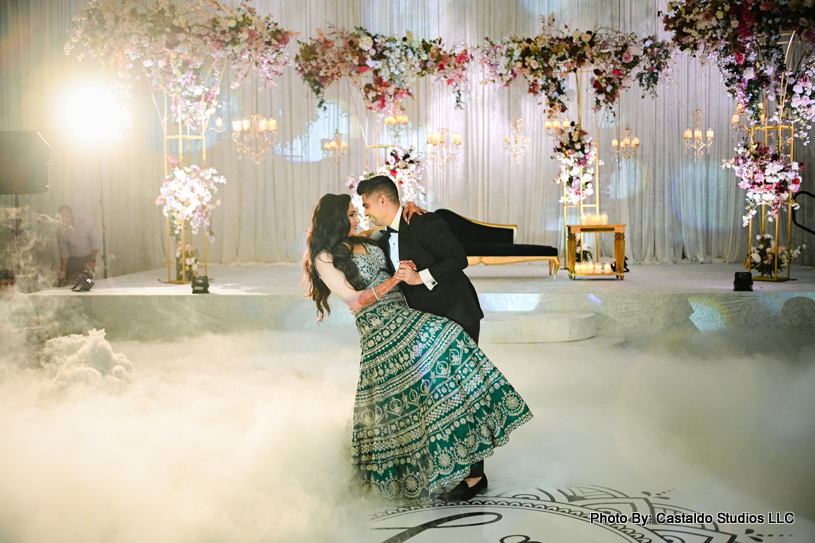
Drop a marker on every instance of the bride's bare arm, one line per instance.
(339, 285)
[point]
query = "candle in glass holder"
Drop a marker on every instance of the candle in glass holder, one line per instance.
(344, 144)
(272, 125)
(262, 125)
(607, 268)
(245, 125)
(390, 120)
(615, 143)
(219, 122)
(402, 119)
(697, 134)
(327, 146)
(735, 120)
(635, 142)
(236, 126)
(556, 125)
(688, 134)
(548, 125)
(710, 133)
(598, 268)
(566, 124)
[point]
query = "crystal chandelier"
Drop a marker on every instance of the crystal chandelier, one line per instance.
(335, 148)
(693, 139)
(516, 143)
(554, 126)
(439, 151)
(396, 124)
(254, 136)
(628, 147)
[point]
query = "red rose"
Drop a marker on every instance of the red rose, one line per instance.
(363, 69)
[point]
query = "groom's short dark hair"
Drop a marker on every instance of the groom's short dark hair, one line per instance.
(379, 184)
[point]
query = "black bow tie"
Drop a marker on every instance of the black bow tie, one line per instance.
(391, 230)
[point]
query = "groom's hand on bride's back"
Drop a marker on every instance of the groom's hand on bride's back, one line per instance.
(409, 209)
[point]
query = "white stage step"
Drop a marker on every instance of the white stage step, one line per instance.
(536, 327)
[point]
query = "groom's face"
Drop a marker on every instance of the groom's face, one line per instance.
(378, 208)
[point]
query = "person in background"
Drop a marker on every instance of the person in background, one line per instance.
(78, 244)
(16, 312)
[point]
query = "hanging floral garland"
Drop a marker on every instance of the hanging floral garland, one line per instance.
(545, 62)
(181, 50)
(615, 59)
(744, 38)
(576, 153)
(769, 178)
(383, 68)
(187, 196)
(404, 168)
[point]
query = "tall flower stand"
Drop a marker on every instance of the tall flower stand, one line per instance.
(184, 139)
(787, 211)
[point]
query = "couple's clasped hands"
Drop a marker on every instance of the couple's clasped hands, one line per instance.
(407, 273)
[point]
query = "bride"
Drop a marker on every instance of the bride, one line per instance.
(429, 403)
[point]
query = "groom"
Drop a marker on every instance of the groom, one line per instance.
(437, 285)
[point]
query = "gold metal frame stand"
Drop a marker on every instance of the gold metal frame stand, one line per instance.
(184, 140)
(784, 135)
(582, 205)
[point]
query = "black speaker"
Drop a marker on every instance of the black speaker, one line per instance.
(23, 163)
(743, 281)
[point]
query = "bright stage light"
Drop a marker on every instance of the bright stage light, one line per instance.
(92, 113)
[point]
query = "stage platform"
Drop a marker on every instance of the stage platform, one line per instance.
(652, 298)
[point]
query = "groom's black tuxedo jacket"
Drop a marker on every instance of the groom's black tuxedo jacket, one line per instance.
(428, 242)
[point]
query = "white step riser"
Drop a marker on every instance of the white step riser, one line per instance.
(533, 327)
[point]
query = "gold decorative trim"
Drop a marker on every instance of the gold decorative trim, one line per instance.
(554, 262)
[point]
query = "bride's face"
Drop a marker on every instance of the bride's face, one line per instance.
(354, 218)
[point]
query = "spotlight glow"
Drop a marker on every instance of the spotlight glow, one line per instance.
(92, 113)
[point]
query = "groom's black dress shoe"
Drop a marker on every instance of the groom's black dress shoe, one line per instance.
(462, 492)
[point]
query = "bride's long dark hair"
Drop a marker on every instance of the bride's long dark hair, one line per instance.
(329, 233)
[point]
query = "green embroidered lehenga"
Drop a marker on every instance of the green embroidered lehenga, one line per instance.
(429, 403)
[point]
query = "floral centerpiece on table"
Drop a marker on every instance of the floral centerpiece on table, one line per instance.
(181, 50)
(187, 196)
(762, 256)
(546, 61)
(747, 40)
(383, 68)
(404, 168)
(769, 178)
(576, 154)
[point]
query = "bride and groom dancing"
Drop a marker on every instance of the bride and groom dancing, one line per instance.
(429, 406)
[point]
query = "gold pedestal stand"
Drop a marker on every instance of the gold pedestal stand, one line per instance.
(184, 139)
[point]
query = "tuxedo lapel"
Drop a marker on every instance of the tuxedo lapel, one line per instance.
(384, 244)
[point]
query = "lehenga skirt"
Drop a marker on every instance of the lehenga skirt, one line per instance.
(429, 403)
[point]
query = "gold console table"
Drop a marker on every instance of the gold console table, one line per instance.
(619, 246)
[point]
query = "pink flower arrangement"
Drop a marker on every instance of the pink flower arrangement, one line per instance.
(769, 178)
(546, 61)
(383, 68)
(181, 51)
(576, 154)
(187, 196)
(744, 38)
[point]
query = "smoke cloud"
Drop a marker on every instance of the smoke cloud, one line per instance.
(245, 437)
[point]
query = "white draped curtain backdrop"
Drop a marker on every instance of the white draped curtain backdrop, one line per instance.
(674, 209)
